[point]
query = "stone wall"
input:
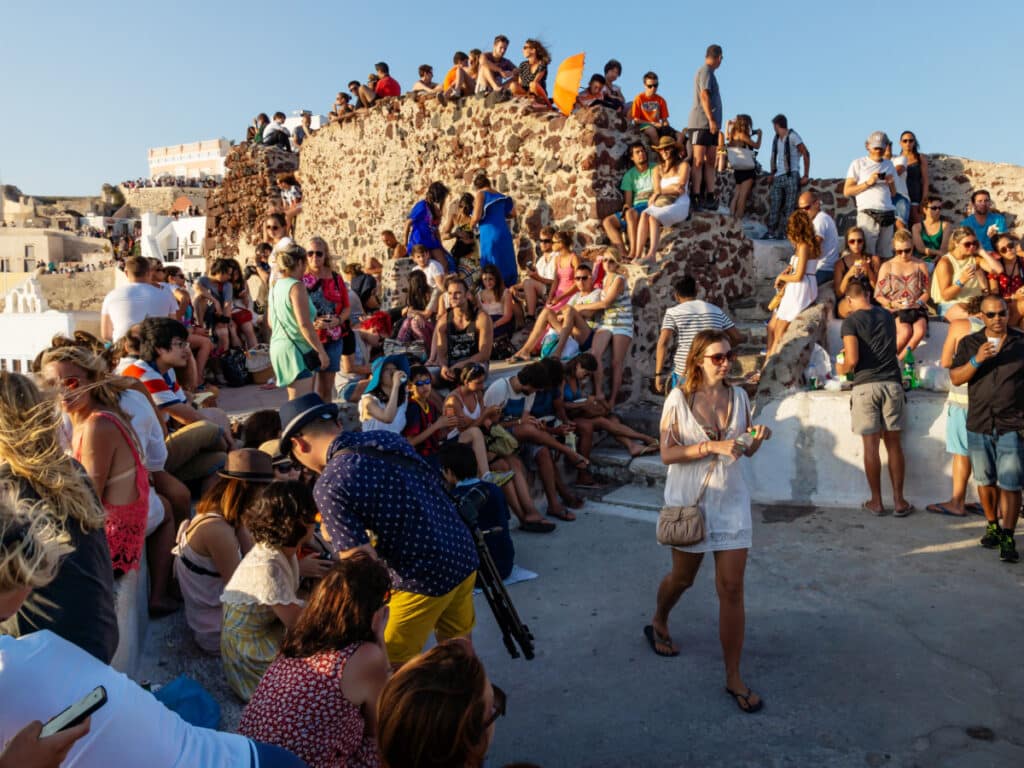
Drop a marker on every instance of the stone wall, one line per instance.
(235, 210)
(160, 199)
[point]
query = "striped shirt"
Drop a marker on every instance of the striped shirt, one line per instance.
(163, 388)
(688, 319)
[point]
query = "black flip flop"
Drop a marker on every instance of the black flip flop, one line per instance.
(750, 708)
(537, 526)
(653, 638)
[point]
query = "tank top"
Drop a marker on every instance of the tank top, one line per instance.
(564, 277)
(474, 414)
(461, 344)
(201, 586)
(958, 395)
(1011, 279)
(932, 241)
(620, 314)
(126, 523)
(970, 289)
(914, 185)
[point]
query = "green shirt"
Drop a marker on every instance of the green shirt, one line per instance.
(641, 184)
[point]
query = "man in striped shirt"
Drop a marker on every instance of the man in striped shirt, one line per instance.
(684, 321)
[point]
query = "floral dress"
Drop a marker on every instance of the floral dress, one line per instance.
(299, 705)
(251, 633)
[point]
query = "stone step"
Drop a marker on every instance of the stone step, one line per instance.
(613, 463)
(754, 331)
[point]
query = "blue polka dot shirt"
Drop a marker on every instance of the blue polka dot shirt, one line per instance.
(419, 532)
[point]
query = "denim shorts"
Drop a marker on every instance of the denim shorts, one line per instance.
(638, 207)
(996, 459)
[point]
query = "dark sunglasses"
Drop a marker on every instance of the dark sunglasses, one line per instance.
(990, 315)
(856, 241)
(721, 357)
(1006, 249)
(500, 703)
(422, 382)
(971, 244)
(549, 240)
(934, 207)
(650, 85)
(314, 253)
(903, 250)
(577, 278)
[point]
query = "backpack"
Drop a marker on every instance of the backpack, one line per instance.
(234, 369)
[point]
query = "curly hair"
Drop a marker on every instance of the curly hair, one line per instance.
(30, 446)
(800, 230)
(31, 546)
(340, 611)
(280, 516)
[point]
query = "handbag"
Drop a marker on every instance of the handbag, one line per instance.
(683, 526)
(741, 158)
(500, 441)
(310, 359)
(662, 200)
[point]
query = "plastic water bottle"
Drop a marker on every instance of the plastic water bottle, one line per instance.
(570, 441)
(909, 374)
(746, 438)
(841, 359)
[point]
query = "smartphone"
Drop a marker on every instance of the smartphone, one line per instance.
(580, 400)
(76, 713)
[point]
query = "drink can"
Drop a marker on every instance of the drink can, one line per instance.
(814, 382)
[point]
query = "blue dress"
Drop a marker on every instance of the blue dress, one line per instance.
(424, 228)
(495, 238)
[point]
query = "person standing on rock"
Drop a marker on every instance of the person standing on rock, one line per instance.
(787, 149)
(872, 180)
(705, 429)
(877, 402)
(704, 125)
(491, 214)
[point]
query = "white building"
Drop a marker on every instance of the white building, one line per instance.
(175, 241)
(198, 160)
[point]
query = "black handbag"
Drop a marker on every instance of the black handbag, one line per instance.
(310, 359)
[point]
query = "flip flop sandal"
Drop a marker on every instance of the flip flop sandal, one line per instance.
(903, 511)
(875, 512)
(565, 515)
(941, 509)
(537, 526)
(975, 509)
(655, 639)
(749, 709)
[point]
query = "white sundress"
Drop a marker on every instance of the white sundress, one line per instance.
(726, 502)
(799, 296)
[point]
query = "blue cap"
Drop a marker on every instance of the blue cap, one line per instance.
(401, 362)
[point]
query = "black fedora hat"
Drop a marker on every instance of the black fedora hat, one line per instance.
(297, 413)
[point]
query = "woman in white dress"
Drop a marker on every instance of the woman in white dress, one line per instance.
(801, 286)
(705, 429)
(669, 203)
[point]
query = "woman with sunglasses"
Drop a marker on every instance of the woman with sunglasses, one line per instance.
(329, 294)
(385, 399)
(319, 697)
(801, 287)
(1010, 284)
(705, 429)
(931, 234)
(532, 76)
(670, 201)
(960, 275)
(439, 710)
(916, 174)
(294, 336)
(261, 601)
(903, 290)
(854, 264)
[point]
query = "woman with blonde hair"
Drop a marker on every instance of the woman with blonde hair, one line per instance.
(78, 604)
(797, 280)
(960, 275)
(705, 429)
(295, 347)
(329, 294)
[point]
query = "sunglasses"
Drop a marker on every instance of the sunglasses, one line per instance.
(858, 241)
(578, 278)
(906, 141)
(1006, 249)
(933, 207)
(314, 253)
(69, 383)
(971, 244)
(286, 465)
(903, 250)
(990, 315)
(500, 703)
(650, 85)
(546, 241)
(721, 357)
(805, 207)
(422, 383)
(273, 227)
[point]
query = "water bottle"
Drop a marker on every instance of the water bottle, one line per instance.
(570, 441)
(746, 438)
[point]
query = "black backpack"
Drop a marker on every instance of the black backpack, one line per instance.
(233, 368)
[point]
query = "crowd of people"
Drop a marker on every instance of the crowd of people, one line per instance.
(166, 180)
(316, 562)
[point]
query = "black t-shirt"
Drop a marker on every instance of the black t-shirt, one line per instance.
(995, 394)
(875, 330)
(78, 604)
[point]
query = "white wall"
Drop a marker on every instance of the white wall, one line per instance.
(169, 239)
(814, 458)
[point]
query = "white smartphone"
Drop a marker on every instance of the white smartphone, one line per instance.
(76, 713)
(580, 400)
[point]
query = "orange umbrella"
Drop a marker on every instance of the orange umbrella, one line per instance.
(567, 82)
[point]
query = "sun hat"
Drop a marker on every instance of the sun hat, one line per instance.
(401, 362)
(250, 465)
(297, 413)
(273, 449)
(664, 142)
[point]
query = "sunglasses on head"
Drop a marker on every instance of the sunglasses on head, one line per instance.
(721, 357)
(990, 315)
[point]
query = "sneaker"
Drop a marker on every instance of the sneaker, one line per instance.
(498, 478)
(1008, 549)
(991, 538)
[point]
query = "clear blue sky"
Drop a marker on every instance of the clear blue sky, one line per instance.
(88, 87)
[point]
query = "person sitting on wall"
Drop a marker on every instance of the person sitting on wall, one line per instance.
(532, 77)
(613, 95)
(380, 85)
(426, 82)
(650, 111)
(276, 135)
(637, 185)
(291, 197)
(496, 72)
(459, 81)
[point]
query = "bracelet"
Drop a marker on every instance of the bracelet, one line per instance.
(958, 284)
(974, 362)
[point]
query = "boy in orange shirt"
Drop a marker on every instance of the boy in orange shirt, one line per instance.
(649, 112)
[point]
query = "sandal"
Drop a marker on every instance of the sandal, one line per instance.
(518, 358)
(654, 639)
(537, 526)
(564, 515)
(744, 698)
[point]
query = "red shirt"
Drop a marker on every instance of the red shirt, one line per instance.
(387, 86)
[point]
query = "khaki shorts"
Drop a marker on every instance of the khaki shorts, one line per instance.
(413, 617)
(195, 451)
(876, 407)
